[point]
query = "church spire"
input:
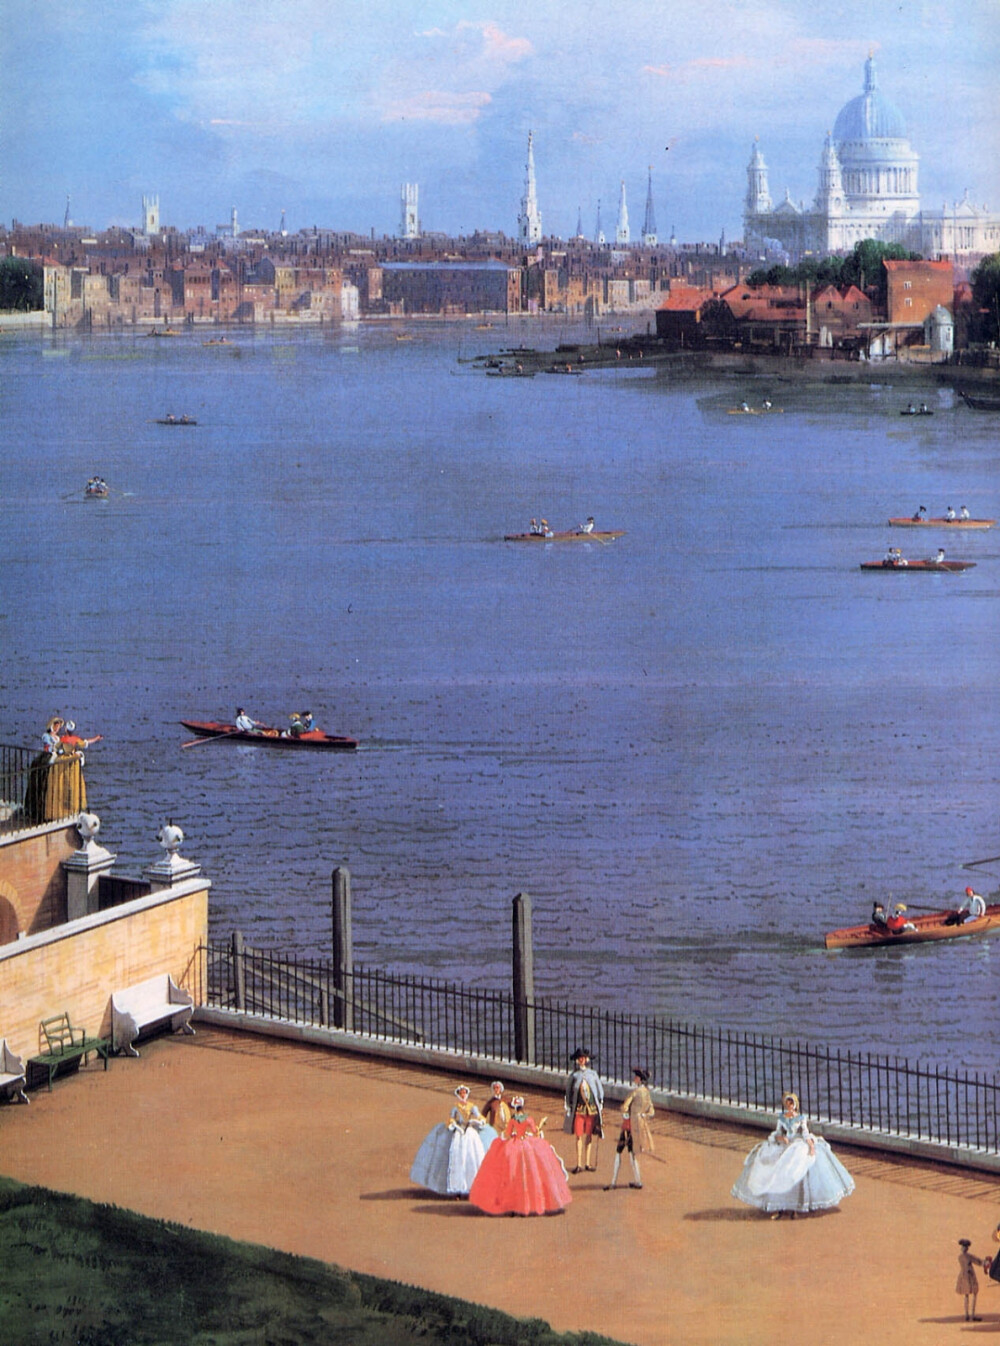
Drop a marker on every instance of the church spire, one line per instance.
(529, 222)
(649, 223)
(622, 231)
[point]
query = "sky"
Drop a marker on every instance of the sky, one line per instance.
(323, 109)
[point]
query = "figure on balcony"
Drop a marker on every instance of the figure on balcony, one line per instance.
(793, 1171)
(449, 1158)
(55, 786)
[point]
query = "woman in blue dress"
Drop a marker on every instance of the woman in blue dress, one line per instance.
(792, 1171)
(449, 1158)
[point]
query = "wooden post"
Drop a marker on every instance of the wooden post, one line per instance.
(524, 982)
(239, 971)
(343, 951)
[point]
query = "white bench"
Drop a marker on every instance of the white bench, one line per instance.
(11, 1074)
(150, 1002)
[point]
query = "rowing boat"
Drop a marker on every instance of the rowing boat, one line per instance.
(607, 535)
(904, 567)
(176, 420)
(933, 926)
(941, 523)
(271, 738)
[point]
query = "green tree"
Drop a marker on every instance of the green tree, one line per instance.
(21, 285)
(986, 293)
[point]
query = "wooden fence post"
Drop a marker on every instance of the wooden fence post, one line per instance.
(343, 951)
(239, 971)
(524, 982)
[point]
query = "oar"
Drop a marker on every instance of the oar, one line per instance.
(990, 860)
(208, 738)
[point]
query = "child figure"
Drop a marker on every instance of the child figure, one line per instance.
(635, 1133)
(968, 1283)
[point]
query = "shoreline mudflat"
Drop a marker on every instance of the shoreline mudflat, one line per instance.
(308, 1150)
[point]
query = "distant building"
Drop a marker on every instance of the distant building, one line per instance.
(409, 217)
(622, 235)
(529, 222)
(867, 188)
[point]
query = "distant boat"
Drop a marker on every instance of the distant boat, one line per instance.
(940, 522)
(176, 420)
(217, 341)
(574, 535)
(96, 489)
(917, 411)
(163, 332)
(903, 567)
(979, 402)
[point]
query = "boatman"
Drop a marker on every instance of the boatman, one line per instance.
(588, 527)
(919, 516)
(973, 904)
(950, 515)
(897, 923)
(245, 723)
(963, 513)
(940, 557)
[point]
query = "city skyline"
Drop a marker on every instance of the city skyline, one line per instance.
(323, 111)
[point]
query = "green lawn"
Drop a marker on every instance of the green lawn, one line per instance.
(73, 1273)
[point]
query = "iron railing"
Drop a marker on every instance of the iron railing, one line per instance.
(34, 790)
(878, 1095)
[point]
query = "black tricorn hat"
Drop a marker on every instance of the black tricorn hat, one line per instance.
(642, 1074)
(581, 1051)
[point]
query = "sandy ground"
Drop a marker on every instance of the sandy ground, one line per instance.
(309, 1150)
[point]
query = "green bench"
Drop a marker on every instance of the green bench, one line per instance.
(65, 1045)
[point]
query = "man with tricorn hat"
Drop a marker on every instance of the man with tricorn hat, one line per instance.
(584, 1105)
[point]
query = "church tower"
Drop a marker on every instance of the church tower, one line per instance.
(409, 218)
(529, 222)
(758, 199)
(599, 238)
(150, 215)
(622, 235)
(649, 223)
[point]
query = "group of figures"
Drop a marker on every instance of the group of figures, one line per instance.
(56, 786)
(500, 1160)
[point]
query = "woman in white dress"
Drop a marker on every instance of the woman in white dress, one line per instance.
(792, 1171)
(449, 1158)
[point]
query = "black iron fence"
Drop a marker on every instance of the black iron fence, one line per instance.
(879, 1095)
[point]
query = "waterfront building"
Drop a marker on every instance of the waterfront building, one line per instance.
(649, 220)
(622, 235)
(867, 188)
(529, 222)
(409, 219)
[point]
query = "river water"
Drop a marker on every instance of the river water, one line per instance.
(698, 748)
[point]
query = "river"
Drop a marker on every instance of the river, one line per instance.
(698, 747)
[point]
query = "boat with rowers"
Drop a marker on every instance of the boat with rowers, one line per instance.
(170, 419)
(541, 532)
(96, 489)
(922, 521)
(979, 402)
(896, 562)
(916, 930)
(205, 730)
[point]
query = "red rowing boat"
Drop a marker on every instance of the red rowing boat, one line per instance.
(936, 925)
(271, 738)
(941, 523)
(904, 567)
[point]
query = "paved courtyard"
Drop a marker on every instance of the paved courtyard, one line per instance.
(309, 1150)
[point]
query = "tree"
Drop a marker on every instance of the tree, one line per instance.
(21, 285)
(986, 293)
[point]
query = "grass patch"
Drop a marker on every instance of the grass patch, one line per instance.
(75, 1273)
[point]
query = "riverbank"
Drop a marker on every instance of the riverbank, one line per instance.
(308, 1151)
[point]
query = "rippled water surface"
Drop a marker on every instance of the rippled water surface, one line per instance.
(698, 748)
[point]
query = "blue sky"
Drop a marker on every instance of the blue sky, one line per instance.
(323, 109)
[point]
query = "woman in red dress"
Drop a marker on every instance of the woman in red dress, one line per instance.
(522, 1175)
